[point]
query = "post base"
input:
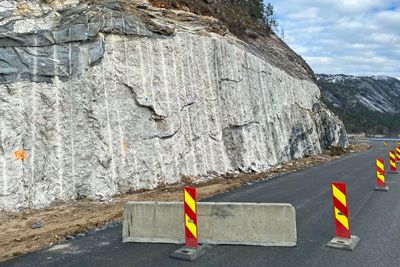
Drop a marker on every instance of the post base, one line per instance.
(190, 254)
(393, 172)
(381, 188)
(344, 243)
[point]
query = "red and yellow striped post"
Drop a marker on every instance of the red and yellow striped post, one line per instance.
(343, 239)
(392, 158)
(192, 248)
(190, 208)
(380, 176)
(398, 153)
(341, 210)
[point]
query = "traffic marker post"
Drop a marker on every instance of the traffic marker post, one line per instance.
(392, 159)
(380, 176)
(343, 240)
(190, 209)
(398, 153)
(192, 249)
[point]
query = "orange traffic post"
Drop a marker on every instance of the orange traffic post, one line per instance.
(380, 176)
(343, 239)
(392, 160)
(192, 249)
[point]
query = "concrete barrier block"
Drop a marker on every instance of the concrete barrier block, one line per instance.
(261, 224)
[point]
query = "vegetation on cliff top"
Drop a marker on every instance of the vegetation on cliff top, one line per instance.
(252, 21)
(240, 16)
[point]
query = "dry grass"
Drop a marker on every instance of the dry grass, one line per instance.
(234, 14)
(247, 28)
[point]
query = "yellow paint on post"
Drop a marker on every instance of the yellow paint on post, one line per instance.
(191, 226)
(342, 219)
(190, 201)
(380, 165)
(339, 195)
(380, 176)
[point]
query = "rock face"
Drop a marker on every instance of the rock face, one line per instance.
(100, 99)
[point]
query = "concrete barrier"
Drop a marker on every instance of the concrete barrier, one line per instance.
(218, 223)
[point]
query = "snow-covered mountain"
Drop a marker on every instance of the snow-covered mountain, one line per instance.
(368, 104)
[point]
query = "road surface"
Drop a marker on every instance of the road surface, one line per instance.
(374, 217)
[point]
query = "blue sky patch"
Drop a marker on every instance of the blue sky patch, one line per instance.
(359, 37)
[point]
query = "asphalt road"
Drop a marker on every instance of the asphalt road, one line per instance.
(374, 217)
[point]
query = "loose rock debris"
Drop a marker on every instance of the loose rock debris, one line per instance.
(36, 225)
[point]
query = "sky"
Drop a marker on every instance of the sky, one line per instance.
(356, 37)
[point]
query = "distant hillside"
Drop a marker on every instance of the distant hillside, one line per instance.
(365, 104)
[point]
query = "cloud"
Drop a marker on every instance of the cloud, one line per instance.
(360, 37)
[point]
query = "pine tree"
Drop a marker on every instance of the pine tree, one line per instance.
(270, 18)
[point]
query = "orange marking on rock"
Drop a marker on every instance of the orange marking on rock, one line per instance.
(20, 155)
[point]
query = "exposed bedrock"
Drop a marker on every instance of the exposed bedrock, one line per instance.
(105, 105)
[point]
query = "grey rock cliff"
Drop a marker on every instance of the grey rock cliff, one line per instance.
(104, 99)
